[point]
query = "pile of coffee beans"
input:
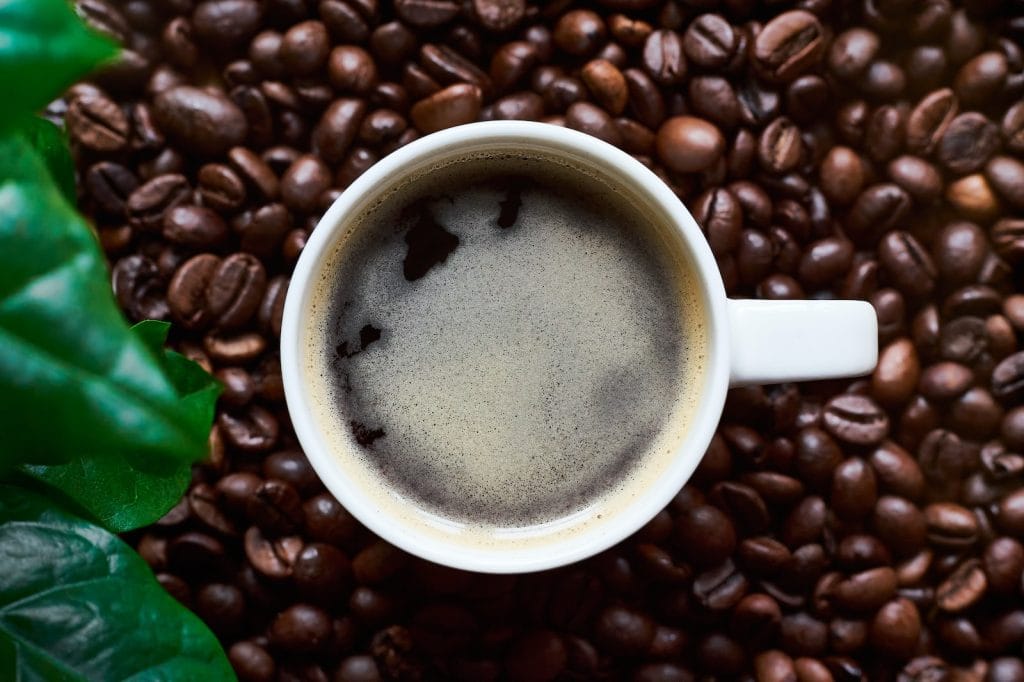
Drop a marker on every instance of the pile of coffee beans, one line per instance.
(870, 149)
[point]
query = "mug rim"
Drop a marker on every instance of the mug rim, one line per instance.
(621, 522)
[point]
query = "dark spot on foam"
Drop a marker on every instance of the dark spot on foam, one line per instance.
(512, 202)
(367, 335)
(429, 243)
(364, 435)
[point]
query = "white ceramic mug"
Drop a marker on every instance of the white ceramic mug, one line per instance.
(751, 342)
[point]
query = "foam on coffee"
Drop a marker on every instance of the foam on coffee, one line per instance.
(506, 341)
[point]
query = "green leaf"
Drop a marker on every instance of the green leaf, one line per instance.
(44, 48)
(74, 379)
(51, 144)
(77, 603)
(115, 493)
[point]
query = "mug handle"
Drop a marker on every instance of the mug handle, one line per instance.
(777, 341)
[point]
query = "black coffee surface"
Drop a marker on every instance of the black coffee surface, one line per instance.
(508, 341)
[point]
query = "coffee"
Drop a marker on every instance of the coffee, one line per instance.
(507, 340)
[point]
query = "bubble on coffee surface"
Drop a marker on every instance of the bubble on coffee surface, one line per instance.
(508, 342)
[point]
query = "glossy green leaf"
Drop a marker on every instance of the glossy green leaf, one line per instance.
(44, 48)
(112, 490)
(51, 144)
(77, 603)
(74, 379)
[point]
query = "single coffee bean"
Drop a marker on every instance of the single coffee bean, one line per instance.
(350, 68)
(301, 629)
(337, 128)
(842, 175)
(852, 51)
(981, 79)
(710, 41)
(1003, 561)
(967, 143)
(928, 121)
(789, 45)
(226, 22)
(918, 177)
(897, 471)
(623, 631)
(110, 184)
(1008, 377)
(194, 226)
(1010, 514)
(254, 430)
(780, 148)
(304, 48)
(899, 524)
(896, 374)
(200, 121)
(146, 206)
(426, 13)
(963, 588)
(98, 123)
(855, 419)
(1006, 175)
(256, 173)
(884, 134)
(235, 290)
(455, 105)
(499, 15)
(720, 588)
(251, 662)
(950, 526)
(854, 489)
(877, 210)
(706, 535)
(895, 628)
(664, 57)
(449, 67)
(907, 263)
(593, 120)
(579, 32)
(304, 182)
(687, 144)
(607, 84)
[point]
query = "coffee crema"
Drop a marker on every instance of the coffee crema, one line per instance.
(506, 341)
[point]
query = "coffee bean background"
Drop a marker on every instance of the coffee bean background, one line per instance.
(870, 149)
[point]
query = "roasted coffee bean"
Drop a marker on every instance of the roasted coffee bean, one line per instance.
(789, 45)
(579, 32)
(967, 143)
(455, 105)
(593, 120)
(251, 662)
(706, 535)
(855, 419)
(929, 120)
(194, 227)
(337, 128)
(200, 121)
(426, 13)
(300, 629)
(226, 22)
(254, 430)
(950, 526)
(1008, 377)
(780, 147)
(907, 263)
(623, 631)
(687, 144)
(918, 177)
(710, 41)
(110, 184)
(842, 175)
(720, 588)
(97, 123)
(235, 290)
(186, 294)
(607, 84)
(304, 48)
(895, 628)
(1006, 175)
(664, 57)
(877, 210)
(963, 588)
(981, 79)
(275, 507)
(854, 489)
(899, 524)
(852, 51)
(148, 203)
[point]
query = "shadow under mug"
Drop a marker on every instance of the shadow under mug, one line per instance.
(750, 342)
